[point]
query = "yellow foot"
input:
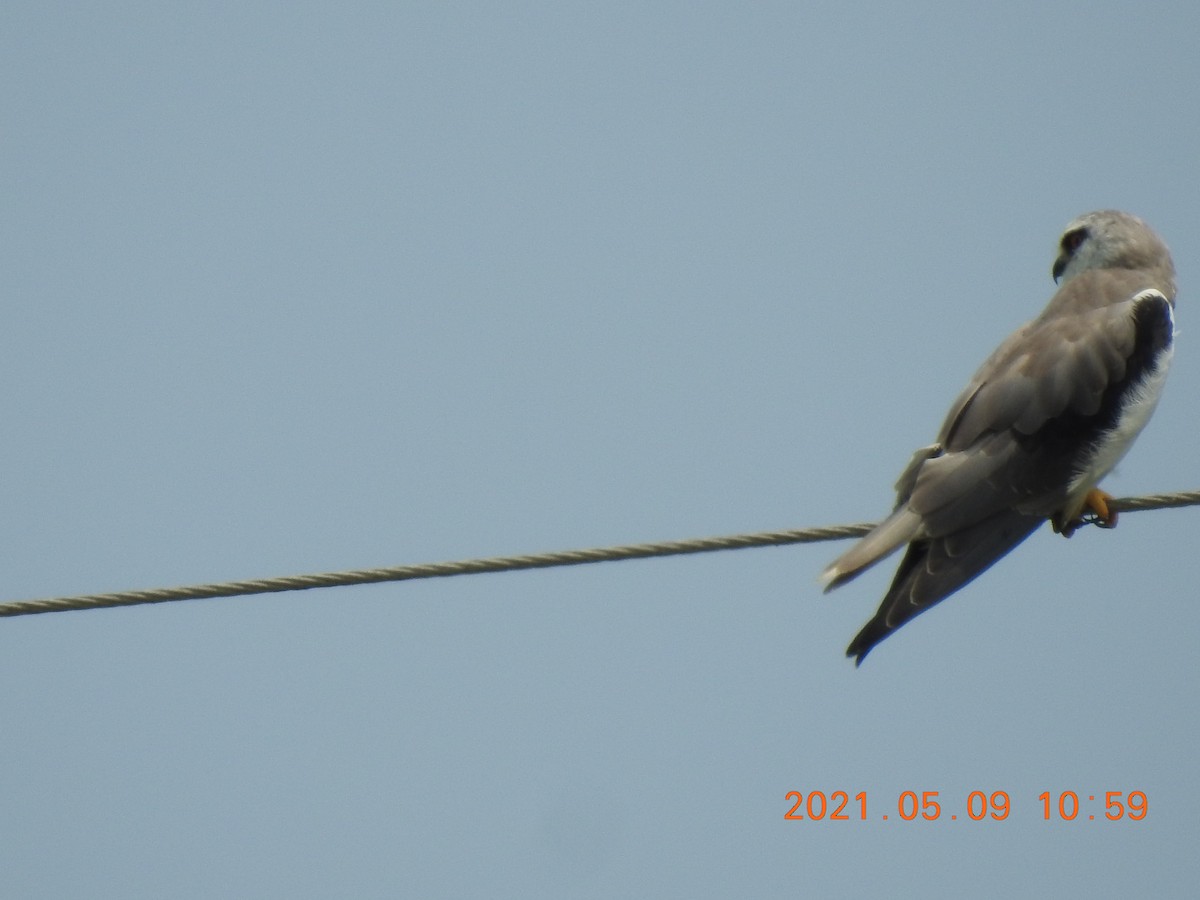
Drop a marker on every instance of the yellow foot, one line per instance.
(1095, 511)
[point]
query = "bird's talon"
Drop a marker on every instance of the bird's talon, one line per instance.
(1096, 511)
(1065, 528)
(1102, 514)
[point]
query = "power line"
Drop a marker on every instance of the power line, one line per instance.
(502, 563)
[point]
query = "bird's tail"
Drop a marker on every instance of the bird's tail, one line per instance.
(893, 532)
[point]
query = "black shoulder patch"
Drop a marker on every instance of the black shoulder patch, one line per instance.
(1154, 330)
(1154, 326)
(1067, 439)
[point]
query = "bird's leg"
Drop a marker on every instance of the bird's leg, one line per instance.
(1096, 503)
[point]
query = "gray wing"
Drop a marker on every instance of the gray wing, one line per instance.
(1006, 453)
(1012, 439)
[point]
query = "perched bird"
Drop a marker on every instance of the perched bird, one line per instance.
(1046, 417)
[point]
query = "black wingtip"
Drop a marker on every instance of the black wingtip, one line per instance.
(864, 642)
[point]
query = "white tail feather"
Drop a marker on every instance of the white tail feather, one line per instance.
(897, 529)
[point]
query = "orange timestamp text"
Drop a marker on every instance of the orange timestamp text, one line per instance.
(1065, 806)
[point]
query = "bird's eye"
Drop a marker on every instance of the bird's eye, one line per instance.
(1072, 239)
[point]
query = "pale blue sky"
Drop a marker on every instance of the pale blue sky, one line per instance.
(295, 287)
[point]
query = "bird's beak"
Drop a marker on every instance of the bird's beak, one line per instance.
(1060, 266)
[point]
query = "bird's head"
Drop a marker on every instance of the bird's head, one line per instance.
(1110, 239)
